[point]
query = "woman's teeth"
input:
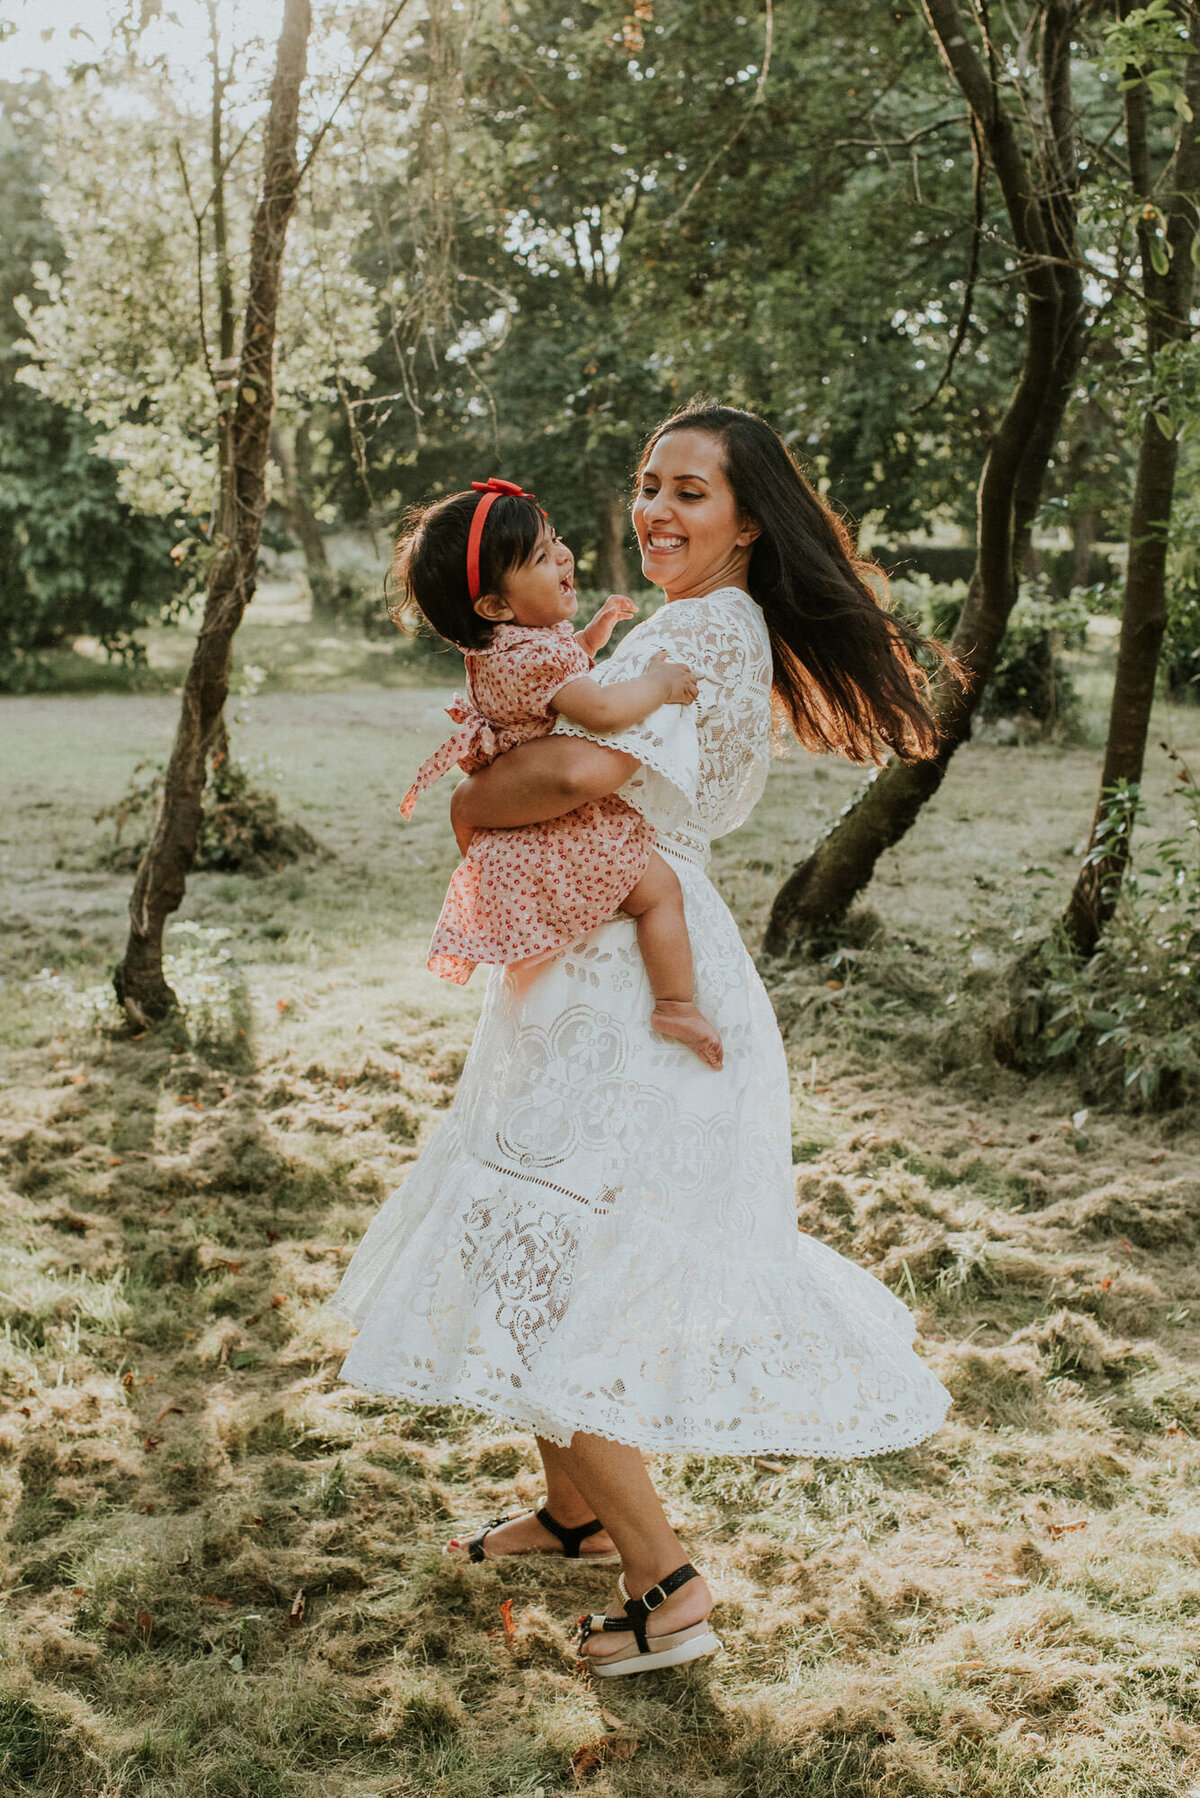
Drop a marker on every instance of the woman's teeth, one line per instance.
(655, 541)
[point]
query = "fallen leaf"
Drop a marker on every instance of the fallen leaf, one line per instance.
(1158, 1155)
(1034, 1136)
(118, 1629)
(769, 1466)
(272, 1235)
(605, 1751)
(251, 1321)
(1106, 1283)
(150, 1443)
(506, 1619)
(129, 1381)
(169, 1406)
(1033, 1739)
(283, 1005)
(613, 1722)
(79, 1591)
(26, 1411)
(1065, 1529)
(114, 1161)
(145, 1622)
(211, 1598)
(834, 986)
(279, 1298)
(296, 1614)
(147, 1510)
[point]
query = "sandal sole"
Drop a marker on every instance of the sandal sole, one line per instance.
(695, 1650)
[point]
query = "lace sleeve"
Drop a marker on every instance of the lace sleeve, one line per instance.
(712, 635)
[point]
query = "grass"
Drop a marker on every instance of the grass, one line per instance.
(222, 1567)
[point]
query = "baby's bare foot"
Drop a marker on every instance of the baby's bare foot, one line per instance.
(679, 1019)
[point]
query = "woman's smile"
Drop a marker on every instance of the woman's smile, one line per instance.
(686, 518)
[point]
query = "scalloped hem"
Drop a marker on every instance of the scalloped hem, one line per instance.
(560, 1425)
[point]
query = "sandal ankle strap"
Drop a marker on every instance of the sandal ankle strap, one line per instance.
(638, 1610)
(571, 1539)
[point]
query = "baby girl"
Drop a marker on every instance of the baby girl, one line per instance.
(489, 574)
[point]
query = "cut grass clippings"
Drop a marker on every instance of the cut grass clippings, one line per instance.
(223, 1571)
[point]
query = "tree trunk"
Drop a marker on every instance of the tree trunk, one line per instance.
(162, 877)
(612, 568)
(1083, 542)
(1168, 303)
(293, 457)
(1041, 209)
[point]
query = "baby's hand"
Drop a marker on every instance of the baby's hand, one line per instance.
(680, 686)
(615, 610)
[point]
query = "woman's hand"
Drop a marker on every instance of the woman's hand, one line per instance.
(537, 781)
(679, 684)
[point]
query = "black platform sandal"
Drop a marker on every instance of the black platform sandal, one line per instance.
(671, 1650)
(471, 1547)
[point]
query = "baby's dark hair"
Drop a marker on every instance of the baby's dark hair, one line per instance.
(429, 569)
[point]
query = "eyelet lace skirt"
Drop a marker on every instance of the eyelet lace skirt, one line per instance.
(601, 1235)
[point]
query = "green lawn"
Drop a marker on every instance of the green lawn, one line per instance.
(1011, 1610)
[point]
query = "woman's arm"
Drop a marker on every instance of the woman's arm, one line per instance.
(536, 781)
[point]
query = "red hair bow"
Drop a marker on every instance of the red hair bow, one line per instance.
(489, 492)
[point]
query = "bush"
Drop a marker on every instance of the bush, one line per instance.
(1030, 682)
(1131, 1015)
(1181, 645)
(241, 830)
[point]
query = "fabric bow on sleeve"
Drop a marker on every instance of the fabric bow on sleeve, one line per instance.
(476, 744)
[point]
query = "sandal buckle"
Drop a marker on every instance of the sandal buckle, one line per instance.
(652, 1604)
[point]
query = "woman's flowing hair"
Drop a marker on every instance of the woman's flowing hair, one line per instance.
(846, 671)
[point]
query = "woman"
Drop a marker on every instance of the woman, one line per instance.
(600, 1242)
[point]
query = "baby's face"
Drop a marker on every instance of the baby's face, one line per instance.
(541, 591)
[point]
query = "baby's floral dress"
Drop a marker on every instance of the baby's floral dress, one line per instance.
(524, 894)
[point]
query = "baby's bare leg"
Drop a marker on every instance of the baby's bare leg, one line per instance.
(656, 904)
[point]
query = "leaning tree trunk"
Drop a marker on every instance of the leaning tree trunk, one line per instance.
(1168, 303)
(1040, 200)
(162, 877)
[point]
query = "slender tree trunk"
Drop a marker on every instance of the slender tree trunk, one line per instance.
(1040, 204)
(1168, 303)
(1082, 544)
(162, 877)
(612, 568)
(293, 457)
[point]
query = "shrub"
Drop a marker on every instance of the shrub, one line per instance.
(1030, 682)
(241, 830)
(1131, 1014)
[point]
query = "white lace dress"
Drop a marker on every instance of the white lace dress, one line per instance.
(602, 1234)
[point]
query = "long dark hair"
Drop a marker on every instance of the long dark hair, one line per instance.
(846, 671)
(429, 568)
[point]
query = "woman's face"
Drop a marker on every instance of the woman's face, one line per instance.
(691, 537)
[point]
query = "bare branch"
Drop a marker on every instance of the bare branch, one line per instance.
(350, 86)
(755, 102)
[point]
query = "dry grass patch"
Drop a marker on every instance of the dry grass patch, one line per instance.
(222, 1568)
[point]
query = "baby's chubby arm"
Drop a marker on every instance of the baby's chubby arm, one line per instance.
(622, 703)
(615, 610)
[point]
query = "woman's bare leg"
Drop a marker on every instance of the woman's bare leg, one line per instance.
(613, 1480)
(656, 905)
(525, 1535)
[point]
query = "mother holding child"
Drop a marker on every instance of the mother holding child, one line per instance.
(599, 1243)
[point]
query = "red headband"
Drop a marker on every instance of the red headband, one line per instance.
(489, 492)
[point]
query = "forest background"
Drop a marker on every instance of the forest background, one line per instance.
(950, 256)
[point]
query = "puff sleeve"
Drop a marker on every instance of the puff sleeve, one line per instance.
(687, 750)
